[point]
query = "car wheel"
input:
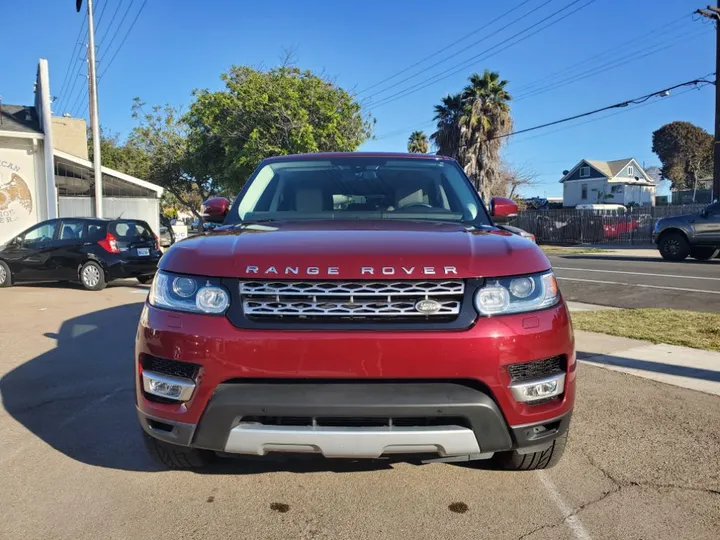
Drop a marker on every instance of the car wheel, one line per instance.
(545, 459)
(5, 275)
(92, 276)
(145, 279)
(703, 254)
(674, 247)
(174, 456)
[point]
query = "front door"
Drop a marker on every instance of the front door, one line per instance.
(68, 254)
(707, 227)
(30, 257)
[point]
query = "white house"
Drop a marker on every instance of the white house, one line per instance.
(45, 173)
(622, 181)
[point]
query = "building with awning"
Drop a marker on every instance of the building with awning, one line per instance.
(45, 172)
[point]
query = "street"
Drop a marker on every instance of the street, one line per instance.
(642, 461)
(628, 279)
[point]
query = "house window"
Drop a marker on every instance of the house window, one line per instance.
(583, 196)
(616, 189)
(631, 171)
(584, 172)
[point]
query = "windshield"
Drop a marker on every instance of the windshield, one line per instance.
(360, 188)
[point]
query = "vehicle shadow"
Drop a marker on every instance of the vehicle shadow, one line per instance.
(74, 285)
(79, 399)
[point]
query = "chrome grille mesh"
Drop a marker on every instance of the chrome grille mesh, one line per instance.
(350, 299)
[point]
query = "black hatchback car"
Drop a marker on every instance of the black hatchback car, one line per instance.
(89, 250)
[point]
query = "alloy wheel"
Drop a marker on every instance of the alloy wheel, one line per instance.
(3, 275)
(91, 276)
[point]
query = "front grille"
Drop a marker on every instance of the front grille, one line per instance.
(538, 369)
(356, 421)
(170, 367)
(350, 300)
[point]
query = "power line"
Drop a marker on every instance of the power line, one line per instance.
(622, 47)
(112, 20)
(446, 48)
(102, 12)
(78, 100)
(463, 65)
(124, 39)
(608, 66)
(117, 31)
(72, 89)
(522, 140)
(71, 65)
(638, 100)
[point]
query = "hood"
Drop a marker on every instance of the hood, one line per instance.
(355, 250)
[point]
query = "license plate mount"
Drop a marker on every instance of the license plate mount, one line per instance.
(143, 252)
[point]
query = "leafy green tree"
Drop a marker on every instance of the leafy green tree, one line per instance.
(685, 152)
(162, 134)
(262, 113)
(418, 143)
(121, 156)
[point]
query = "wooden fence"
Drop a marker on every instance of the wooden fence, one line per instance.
(569, 226)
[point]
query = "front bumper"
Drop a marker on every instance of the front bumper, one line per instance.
(362, 374)
(343, 420)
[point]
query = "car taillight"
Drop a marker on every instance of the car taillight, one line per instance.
(157, 241)
(109, 244)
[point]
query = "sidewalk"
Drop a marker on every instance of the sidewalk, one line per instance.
(680, 366)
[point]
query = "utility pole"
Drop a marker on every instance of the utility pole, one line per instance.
(713, 13)
(94, 116)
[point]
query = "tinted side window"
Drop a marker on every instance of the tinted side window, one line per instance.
(41, 233)
(96, 231)
(130, 230)
(71, 229)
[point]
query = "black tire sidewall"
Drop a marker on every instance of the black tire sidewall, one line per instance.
(703, 253)
(101, 284)
(8, 275)
(683, 251)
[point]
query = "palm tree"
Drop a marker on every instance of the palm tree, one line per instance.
(447, 115)
(486, 118)
(470, 124)
(418, 143)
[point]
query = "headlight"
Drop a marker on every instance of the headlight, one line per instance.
(188, 293)
(517, 294)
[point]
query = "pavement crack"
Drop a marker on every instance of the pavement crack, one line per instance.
(616, 488)
(709, 491)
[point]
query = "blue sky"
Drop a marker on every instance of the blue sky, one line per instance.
(178, 45)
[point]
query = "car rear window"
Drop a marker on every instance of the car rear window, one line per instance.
(130, 230)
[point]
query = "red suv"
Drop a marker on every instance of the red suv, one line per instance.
(356, 305)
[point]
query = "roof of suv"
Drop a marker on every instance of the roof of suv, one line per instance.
(350, 155)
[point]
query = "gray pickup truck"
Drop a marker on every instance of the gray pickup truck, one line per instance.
(693, 235)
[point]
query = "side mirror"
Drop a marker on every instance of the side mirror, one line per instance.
(502, 207)
(215, 209)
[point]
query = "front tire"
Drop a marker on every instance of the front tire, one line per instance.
(5, 275)
(545, 459)
(92, 276)
(144, 280)
(674, 247)
(173, 456)
(703, 253)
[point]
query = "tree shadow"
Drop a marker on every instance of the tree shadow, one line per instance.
(79, 399)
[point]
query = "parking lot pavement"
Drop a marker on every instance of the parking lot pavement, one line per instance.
(642, 461)
(630, 281)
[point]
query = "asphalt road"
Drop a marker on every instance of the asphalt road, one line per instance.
(642, 462)
(628, 281)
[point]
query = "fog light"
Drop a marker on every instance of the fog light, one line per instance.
(539, 389)
(167, 386)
